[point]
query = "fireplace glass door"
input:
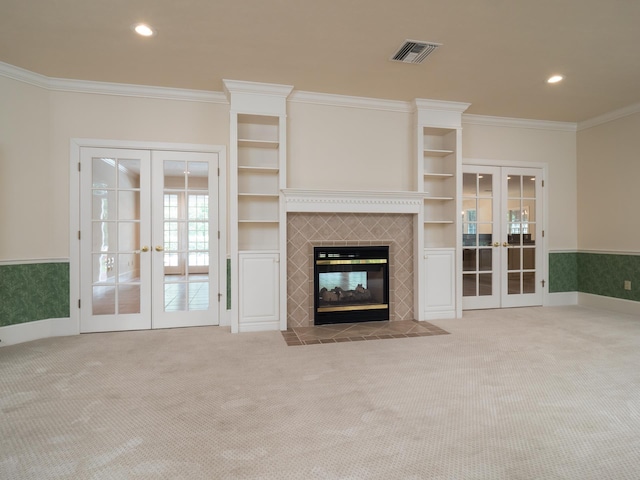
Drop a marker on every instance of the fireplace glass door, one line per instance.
(351, 284)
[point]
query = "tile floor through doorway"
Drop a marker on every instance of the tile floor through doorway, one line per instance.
(354, 332)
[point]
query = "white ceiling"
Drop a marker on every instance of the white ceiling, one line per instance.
(496, 54)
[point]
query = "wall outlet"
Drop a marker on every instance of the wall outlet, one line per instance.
(627, 284)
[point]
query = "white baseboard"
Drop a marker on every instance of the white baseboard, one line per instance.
(609, 303)
(561, 299)
(28, 331)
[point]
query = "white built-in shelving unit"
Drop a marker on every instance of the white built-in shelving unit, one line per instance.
(438, 127)
(257, 213)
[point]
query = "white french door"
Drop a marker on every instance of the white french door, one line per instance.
(149, 247)
(502, 254)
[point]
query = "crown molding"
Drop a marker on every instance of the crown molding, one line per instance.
(106, 88)
(206, 96)
(22, 75)
(334, 100)
(485, 120)
(255, 88)
(142, 91)
(441, 105)
(610, 117)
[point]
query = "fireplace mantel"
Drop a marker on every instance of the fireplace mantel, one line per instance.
(331, 201)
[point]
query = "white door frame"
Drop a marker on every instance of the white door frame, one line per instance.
(545, 210)
(74, 213)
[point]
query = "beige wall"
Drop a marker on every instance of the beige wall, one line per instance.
(608, 194)
(556, 148)
(36, 127)
(345, 148)
(26, 189)
(329, 147)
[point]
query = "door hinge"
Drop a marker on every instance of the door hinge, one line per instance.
(79, 166)
(542, 233)
(78, 303)
(219, 297)
(543, 183)
(218, 234)
(218, 171)
(78, 234)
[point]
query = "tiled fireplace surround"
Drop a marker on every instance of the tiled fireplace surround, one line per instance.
(354, 220)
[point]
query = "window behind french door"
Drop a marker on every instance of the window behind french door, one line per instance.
(191, 234)
(148, 251)
(501, 237)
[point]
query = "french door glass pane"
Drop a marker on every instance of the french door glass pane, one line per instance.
(115, 230)
(514, 186)
(469, 285)
(485, 286)
(485, 259)
(529, 187)
(513, 283)
(529, 258)
(469, 259)
(186, 235)
(485, 210)
(485, 185)
(529, 282)
(477, 232)
(521, 226)
(469, 185)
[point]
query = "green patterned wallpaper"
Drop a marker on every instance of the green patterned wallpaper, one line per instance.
(604, 274)
(33, 291)
(597, 273)
(563, 272)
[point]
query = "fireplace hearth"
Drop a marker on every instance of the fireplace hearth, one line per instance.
(351, 284)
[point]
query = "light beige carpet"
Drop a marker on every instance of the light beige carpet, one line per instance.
(535, 393)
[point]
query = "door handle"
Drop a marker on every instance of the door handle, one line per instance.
(497, 244)
(143, 249)
(159, 248)
(505, 244)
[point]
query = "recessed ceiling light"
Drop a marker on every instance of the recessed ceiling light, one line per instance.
(144, 30)
(555, 79)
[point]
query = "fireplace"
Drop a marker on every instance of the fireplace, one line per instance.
(351, 284)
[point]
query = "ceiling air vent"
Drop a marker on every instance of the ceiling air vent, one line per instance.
(412, 51)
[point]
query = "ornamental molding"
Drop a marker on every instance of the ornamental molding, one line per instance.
(329, 201)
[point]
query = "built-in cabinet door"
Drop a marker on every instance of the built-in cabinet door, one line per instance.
(148, 239)
(439, 284)
(259, 291)
(501, 237)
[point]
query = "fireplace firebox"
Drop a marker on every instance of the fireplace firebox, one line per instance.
(351, 284)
